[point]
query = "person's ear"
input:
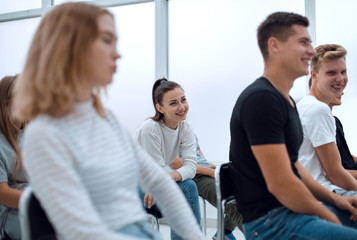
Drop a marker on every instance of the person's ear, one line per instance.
(313, 75)
(159, 108)
(273, 45)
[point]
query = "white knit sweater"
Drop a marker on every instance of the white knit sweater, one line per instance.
(86, 170)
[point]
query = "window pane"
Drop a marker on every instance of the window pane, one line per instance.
(18, 5)
(14, 46)
(129, 96)
(214, 55)
(335, 24)
(63, 1)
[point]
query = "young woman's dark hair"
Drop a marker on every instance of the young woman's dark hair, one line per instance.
(161, 86)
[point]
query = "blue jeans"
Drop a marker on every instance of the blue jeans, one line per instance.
(140, 230)
(189, 189)
(342, 192)
(11, 224)
(282, 223)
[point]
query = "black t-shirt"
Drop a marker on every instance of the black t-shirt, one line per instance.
(347, 160)
(261, 116)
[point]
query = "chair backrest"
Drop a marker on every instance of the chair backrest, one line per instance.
(225, 194)
(223, 183)
(33, 220)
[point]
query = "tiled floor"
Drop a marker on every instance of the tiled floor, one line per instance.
(165, 232)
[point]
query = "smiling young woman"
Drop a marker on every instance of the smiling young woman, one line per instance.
(163, 135)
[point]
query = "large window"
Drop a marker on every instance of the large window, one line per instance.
(129, 96)
(14, 43)
(62, 1)
(18, 5)
(214, 55)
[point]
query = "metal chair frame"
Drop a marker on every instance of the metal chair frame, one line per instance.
(154, 217)
(225, 195)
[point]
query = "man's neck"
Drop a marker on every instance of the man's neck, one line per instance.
(279, 80)
(319, 96)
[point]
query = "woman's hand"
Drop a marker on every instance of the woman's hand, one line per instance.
(148, 200)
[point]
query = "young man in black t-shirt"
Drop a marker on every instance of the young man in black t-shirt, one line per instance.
(276, 196)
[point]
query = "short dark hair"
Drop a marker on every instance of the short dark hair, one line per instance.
(278, 25)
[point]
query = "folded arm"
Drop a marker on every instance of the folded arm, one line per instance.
(177, 163)
(331, 162)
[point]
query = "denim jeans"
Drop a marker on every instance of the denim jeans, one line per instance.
(11, 225)
(140, 230)
(282, 223)
(342, 192)
(189, 189)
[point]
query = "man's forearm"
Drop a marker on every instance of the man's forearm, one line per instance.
(319, 191)
(353, 173)
(344, 179)
(330, 159)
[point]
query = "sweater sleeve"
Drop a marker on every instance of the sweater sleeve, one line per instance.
(169, 197)
(188, 151)
(49, 161)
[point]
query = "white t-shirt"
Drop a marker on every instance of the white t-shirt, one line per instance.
(319, 129)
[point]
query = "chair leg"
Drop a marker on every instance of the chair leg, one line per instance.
(154, 222)
(220, 221)
(204, 220)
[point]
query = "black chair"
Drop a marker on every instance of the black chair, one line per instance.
(225, 195)
(154, 214)
(33, 220)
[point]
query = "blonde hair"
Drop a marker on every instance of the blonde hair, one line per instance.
(8, 126)
(56, 67)
(327, 52)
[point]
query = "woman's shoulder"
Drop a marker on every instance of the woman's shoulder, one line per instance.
(186, 128)
(4, 145)
(42, 126)
(185, 125)
(150, 124)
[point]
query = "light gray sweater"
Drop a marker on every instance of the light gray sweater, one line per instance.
(86, 170)
(163, 144)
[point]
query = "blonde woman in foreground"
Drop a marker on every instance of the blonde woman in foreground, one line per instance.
(84, 167)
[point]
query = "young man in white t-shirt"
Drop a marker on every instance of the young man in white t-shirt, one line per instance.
(319, 153)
